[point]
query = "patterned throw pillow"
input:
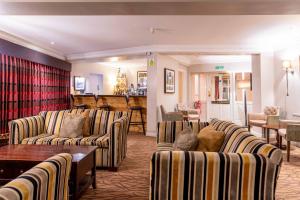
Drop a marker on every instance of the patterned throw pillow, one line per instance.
(270, 110)
(186, 141)
(72, 126)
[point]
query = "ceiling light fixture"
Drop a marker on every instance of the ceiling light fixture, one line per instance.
(52, 43)
(114, 59)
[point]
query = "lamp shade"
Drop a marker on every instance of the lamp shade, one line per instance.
(287, 65)
(243, 84)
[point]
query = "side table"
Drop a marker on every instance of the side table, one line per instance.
(4, 139)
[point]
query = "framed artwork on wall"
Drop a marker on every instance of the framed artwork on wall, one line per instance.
(169, 81)
(79, 83)
(142, 79)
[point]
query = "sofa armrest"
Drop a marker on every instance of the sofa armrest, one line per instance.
(118, 141)
(168, 130)
(26, 127)
(50, 177)
(189, 175)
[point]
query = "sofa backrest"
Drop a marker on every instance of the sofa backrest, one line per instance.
(100, 120)
(239, 140)
(53, 120)
(168, 130)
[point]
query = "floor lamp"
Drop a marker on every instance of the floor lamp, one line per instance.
(244, 85)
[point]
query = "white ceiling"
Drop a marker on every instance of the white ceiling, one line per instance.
(84, 34)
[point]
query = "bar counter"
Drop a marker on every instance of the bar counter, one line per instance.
(114, 103)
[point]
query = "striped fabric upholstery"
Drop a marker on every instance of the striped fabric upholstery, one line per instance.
(26, 127)
(108, 132)
(46, 181)
(197, 175)
(102, 120)
(168, 130)
(53, 120)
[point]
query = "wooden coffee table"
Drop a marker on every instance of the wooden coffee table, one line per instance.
(16, 159)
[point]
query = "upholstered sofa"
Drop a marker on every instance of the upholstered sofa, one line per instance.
(46, 181)
(108, 131)
(244, 168)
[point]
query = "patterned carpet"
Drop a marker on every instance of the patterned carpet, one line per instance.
(132, 179)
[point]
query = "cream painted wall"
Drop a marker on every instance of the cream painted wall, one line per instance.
(169, 101)
(109, 73)
(288, 104)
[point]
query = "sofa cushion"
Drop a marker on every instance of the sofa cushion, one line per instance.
(257, 122)
(210, 140)
(47, 139)
(93, 140)
(53, 120)
(33, 140)
(72, 126)
(186, 141)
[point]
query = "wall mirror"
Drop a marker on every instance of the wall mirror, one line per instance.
(221, 88)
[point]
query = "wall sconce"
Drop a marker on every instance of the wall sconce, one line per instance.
(287, 67)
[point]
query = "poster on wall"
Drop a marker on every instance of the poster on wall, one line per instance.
(142, 79)
(169, 80)
(79, 83)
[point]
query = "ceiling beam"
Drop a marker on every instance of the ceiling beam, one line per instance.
(204, 7)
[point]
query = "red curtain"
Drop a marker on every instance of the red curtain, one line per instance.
(26, 88)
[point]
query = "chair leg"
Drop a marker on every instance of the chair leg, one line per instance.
(141, 113)
(288, 150)
(129, 121)
(249, 128)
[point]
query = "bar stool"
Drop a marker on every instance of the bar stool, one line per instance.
(138, 109)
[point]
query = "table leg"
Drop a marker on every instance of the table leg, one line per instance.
(268, 135)
(94, 184)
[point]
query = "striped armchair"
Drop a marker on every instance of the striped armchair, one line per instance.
(107, 132)
(46, 181)
(244, 168)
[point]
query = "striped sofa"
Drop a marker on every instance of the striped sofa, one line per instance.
(108, 131)
(46, 181)
(244, 168)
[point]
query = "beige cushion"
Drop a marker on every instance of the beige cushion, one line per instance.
(186, 141)
(270, 110)
(72, 126)
(257, 122)
(210, 140)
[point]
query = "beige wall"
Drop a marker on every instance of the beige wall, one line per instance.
(109, 73)
(155, 93)
(288, 104)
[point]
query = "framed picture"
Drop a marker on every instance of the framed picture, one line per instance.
(169, 79)
(142, 79)
(79, 83)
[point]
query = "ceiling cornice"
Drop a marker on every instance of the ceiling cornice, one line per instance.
(171, 49)
(200, 7)
(28, 44)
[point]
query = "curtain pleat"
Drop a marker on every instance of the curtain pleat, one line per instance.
(26, 88)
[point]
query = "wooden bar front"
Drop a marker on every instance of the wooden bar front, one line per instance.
(115, 103)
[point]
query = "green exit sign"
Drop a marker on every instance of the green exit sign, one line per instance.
(219, 67)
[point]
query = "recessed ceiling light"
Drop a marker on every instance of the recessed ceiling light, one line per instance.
(114, 59)
(52, 43)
